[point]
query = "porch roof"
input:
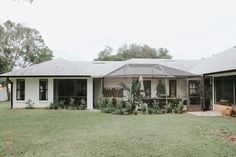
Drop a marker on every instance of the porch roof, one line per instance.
(148, 70)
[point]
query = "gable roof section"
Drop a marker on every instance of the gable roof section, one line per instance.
(224, 61)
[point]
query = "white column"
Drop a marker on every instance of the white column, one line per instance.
(89, 93)
(50, 90)
(213, 93)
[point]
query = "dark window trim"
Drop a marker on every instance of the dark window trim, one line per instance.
(174, 87)
(193, 81)
(18, 89)
(223, 78)
(46, 89)
(148, 80)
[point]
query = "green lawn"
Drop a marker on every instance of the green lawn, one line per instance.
(49, 133)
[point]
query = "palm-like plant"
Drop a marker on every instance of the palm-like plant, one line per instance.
(132, 93)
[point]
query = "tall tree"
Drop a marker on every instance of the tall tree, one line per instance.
(163, 53)
(21, 46)
(126, 52)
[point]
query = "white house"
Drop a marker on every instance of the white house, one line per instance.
(203, 84)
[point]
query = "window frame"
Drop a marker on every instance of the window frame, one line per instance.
(145, 83)
(222, 85)
(194, 97)
(196, 87)
(46, 90)
(19, 89)
(175, 87)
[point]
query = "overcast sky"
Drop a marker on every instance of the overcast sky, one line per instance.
(79, 29)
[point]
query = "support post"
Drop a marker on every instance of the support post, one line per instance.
(187, 89)
(203, 93)
(213, 93)
(166, 91)
(89, 93)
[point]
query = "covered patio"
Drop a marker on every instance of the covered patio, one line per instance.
(178, 84)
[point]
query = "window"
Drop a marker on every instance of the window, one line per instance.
(225, 90)
(147, 87)
(194, 88)
(20, 89)
(172, 88)
(43, 89)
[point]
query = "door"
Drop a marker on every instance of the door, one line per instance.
(194, 92)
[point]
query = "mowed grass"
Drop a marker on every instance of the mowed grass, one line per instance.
(49, 133)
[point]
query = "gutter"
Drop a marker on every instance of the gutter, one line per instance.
(11, 91)
(218, 72)
(45, 76)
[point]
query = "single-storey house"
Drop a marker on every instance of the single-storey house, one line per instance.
(205, 84)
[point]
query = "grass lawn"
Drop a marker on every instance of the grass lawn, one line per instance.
(50, 133)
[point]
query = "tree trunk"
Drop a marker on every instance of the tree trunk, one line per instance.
(8, 92)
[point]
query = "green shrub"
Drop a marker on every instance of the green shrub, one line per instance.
(51, 105)
(144, 108)
(174, 109)
(163, 111)
(29, 104)
(180, 107)
(150, 110)
(103, 102)
(61, 104)
(168, 108)
(106, 106)
(72, 103)
(54, 105)
(156, 107)
(128, 108)
(83, 104)
(118, 111)
(135, 112)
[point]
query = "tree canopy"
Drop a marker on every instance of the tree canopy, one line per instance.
(21, 46)
(126, 52)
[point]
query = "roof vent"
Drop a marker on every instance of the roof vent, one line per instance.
(98, 62)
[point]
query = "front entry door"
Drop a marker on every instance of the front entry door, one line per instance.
(194, 92)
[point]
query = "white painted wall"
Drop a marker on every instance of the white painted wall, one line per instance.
(32, 92)
(114, 82)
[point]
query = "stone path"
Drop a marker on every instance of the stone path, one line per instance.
(206, 113)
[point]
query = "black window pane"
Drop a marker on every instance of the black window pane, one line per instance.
(43, 89)
(147, 87)
(224, 90)
(20, 89)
